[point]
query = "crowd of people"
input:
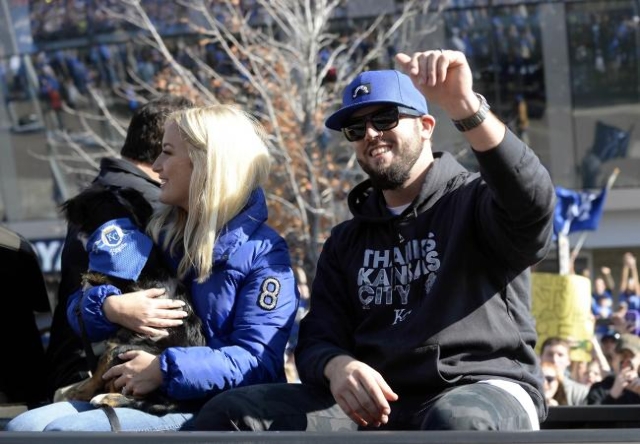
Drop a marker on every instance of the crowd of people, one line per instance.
(611, 375)
(606, 380)
(616, 309)
(125, 69)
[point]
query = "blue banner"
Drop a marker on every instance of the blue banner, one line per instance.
(578, 210)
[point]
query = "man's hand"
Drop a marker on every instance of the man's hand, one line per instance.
(626, 377)
(634, 386)
(444, 78)
(628, 259)
(360, 391)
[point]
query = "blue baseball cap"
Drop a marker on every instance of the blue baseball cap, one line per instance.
(118, 248)
(377, 88)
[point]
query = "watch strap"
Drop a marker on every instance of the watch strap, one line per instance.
(476, 119)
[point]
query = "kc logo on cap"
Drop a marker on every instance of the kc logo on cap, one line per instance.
(111, 236)
(118, 248)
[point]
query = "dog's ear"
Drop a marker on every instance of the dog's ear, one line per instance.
(139, 208)
(92, 207)
(77, 209)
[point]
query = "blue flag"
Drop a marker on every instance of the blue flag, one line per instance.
(578, 210)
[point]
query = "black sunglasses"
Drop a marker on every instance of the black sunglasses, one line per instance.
(550, 379)
(382, 120)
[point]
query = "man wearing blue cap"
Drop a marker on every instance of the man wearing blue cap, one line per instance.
(420, 309)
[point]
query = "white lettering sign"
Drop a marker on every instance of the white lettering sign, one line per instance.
(49, 252)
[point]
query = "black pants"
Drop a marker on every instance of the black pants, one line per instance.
(299, 407)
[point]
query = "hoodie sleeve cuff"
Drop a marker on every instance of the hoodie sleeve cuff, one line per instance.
(88, 304)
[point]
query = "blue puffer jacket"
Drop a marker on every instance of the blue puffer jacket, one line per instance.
(247, 307)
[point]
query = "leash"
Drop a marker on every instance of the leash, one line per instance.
(114, 421)
(90, 356)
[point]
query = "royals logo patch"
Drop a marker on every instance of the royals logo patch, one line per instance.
(118, 248)
(111, 236)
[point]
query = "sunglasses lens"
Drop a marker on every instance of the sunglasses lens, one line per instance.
(550, 379)
(354, 132)
(386, 120)
(381, 121)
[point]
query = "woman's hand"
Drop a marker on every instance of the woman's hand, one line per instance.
(145, 311)
(138, 376)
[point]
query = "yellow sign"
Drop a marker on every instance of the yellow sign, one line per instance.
(561, 305)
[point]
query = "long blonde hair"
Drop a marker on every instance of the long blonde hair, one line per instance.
(230, 160)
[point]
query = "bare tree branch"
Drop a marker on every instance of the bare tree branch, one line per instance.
(287, 63)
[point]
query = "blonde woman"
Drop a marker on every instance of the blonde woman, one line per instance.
(213, 165)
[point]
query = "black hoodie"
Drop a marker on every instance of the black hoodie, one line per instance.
(440, 295)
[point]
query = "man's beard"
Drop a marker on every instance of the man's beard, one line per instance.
(391, 177)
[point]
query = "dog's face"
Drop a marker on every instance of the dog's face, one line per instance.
(98, 204)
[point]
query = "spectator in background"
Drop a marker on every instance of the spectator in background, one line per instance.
(608, 345)
(602, 301)
(619, 322)
(303, 308)
(593, 374)
(629, 294)
(554, 393)
(578, 370)
(598, 355)
(626, 319)
(623, 385)
(555, 350)
(521, 118)
(588, 372)
(50, 92)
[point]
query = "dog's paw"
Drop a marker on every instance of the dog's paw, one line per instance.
(112, 400)
(66, 393)
(79, 391)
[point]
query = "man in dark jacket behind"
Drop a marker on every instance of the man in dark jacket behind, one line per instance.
(420, 309)
(65, 355)
(623, 385)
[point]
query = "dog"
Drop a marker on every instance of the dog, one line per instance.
(108, 218)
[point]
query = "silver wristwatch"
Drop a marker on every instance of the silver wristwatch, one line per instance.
(471, 122)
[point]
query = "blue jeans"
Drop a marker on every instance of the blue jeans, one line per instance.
(80, 416)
